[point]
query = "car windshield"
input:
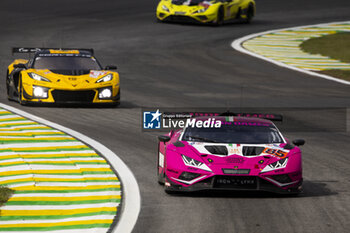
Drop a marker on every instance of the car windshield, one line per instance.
(236, 134)
(66, 63)
(188, 2)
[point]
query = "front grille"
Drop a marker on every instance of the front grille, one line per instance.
(181, 19)
(283, 179)
(202, 17)
(61, 96)
(235, 182)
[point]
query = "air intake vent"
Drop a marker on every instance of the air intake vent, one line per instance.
(61, 96)
(252, 150)
(71, 72)
(217, 150)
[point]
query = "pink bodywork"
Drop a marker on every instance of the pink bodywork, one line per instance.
(172, 164)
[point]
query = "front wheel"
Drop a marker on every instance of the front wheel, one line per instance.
(20, 92)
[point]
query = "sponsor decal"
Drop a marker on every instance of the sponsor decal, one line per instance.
(205, 4)
(280, 170)
(234, 151)
(97, 73)
(192, 168)
(161, 160)
(235, 160)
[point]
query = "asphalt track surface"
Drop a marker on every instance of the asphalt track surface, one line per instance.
(171, 65)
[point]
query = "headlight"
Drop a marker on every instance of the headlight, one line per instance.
(38, 77)
(189, 161)
(40, 92)
(106, 78)
(165, 8)
(194, 163)
(105, 93)
(282, 163)
(200, 11)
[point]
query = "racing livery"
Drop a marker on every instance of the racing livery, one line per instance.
(205, 11)
(61, 76)
(244, 153)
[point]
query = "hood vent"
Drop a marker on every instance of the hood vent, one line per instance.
(252, 150)
(71, 72)
(217, 150)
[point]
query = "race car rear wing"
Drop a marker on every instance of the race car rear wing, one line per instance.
(34, 50)
(267, 116)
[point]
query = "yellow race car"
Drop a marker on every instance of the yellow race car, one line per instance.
(205, 11)
(62, 76)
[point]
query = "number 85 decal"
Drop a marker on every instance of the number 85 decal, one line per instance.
(276, 152)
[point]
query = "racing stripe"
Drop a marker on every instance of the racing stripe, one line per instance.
(60, 184)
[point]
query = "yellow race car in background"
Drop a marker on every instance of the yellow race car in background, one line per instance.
(62, 76)
(205, 11)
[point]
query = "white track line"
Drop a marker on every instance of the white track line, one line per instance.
(237, 44)
(131, 193)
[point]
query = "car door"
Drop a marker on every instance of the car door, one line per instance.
(231, 8)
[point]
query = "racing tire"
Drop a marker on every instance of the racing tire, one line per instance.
(161, 179)
(220, 17)
(8, 85)
(20, 92)
(249, 14)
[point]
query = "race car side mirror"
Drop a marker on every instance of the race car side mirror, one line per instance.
(111, 68)
(299, 142)
(20, 66)
(164, 138)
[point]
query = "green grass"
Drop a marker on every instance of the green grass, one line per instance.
(5, 194)
(342, 74)
(335, 46)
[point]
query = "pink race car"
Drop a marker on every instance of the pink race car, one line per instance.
(244, 153)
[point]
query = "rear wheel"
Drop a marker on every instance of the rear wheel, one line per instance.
(250, 14)
(220, 17)
(8, 84)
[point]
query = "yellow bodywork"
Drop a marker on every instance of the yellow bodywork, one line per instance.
(64, 83)
(205, 12)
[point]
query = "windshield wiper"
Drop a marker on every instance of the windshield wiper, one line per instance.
(201, 138)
